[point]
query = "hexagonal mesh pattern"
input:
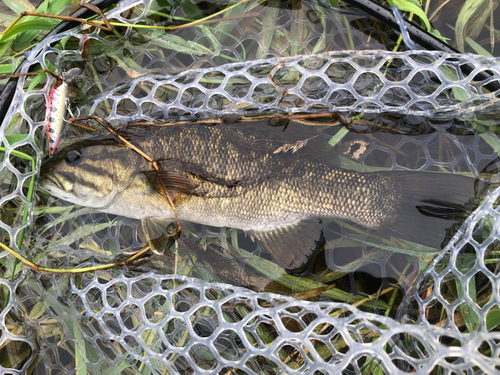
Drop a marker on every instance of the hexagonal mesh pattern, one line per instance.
(420, 82)
(186, 325)
(143, 321)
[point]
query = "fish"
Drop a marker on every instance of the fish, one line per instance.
(231, 177)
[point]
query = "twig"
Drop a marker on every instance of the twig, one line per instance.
(191, 24)
(306, 116)
(93, 8)
(72, 121)
(17, 75)
(194, 23)
(46, 270)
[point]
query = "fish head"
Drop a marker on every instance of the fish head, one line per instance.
(89, 173)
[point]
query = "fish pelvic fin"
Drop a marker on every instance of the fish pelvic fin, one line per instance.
(158, 233)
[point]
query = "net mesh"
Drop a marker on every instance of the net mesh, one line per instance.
(144, 320)
(418, 82)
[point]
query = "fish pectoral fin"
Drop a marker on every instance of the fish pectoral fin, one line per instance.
(174, 182)
(157, 233)
(292, 246)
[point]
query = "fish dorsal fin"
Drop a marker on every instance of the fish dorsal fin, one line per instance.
(156, 233)
(174, 182)
(293, 245)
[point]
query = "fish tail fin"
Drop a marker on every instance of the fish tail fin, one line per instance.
(434, 205)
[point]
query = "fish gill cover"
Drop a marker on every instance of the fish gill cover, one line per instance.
(374, 304)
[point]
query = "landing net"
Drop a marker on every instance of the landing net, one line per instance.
(144, 320)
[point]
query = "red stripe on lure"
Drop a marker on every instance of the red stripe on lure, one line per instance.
(56, 108)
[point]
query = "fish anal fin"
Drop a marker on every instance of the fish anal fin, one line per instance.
(292, 246)
(175, 183)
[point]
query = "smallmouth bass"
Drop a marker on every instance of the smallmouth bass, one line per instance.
(229, 178)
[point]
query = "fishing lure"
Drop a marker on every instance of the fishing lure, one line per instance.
(56, 109)
(58, 103)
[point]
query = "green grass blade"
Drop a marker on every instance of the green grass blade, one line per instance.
(493, 319)
(18, 6)
(407, 6)
(35, 25)
(468, 11)
(269, 27)
(338, 136)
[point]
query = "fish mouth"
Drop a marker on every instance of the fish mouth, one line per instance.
(58, 179)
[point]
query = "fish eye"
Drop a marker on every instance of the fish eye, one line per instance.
(72, 157)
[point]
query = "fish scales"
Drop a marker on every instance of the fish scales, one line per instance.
(287, 193)
(230, 178)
